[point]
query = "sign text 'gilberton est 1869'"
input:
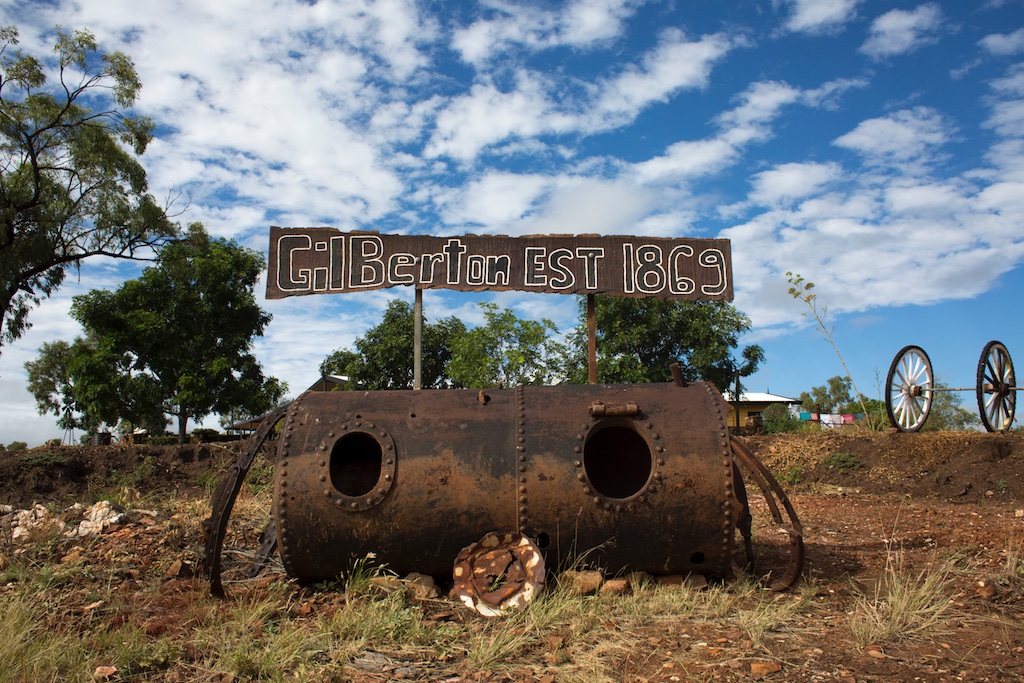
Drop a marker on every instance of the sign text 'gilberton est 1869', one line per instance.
(328, 261)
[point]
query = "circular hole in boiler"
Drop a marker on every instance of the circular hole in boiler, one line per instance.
(617, 460)
(697, 558)
(355, 464)
(543, 540)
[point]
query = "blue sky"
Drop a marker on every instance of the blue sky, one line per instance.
(875, 147)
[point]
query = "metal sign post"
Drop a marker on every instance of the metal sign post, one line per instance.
(417, 341)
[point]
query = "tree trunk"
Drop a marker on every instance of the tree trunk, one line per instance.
(182, 427)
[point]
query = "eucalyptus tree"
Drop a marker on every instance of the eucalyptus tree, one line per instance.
(71, 184)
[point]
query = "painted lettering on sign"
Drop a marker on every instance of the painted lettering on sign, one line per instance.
(327, 261)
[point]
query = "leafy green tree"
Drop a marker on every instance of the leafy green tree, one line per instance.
(51, 384)
(383, 358)
(836, 397)
(832, 397)
(178, 339)
(341, 362)
(112, 389)
(505, 351)
(71, 185)
(777, 420)
(638, 339)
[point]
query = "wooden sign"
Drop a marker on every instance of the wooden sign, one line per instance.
(328, 261)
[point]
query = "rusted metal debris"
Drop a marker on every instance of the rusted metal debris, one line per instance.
(636, 477)
(498, 573)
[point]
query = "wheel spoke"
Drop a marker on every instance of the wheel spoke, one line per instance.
(996, 388)
(909, 389)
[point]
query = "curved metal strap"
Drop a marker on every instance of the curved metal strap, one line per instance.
(224, 496)
(745, 522)
(768, 485)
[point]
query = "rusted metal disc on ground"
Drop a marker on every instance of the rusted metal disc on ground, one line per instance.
(499, 572)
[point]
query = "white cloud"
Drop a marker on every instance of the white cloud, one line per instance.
(591, 21)
(676, 63)
(592, 205)
(901, 31)
(906, 136)
(496, 202)
(820, 16)
(578, 24)
(747, 123)
(688, 159)
(759, 105)
(1003, 44)
(487, 115)
(792, 181)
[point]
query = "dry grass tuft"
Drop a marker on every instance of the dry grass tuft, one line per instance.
(904, 604)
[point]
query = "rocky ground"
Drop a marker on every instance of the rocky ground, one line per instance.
(875, 508)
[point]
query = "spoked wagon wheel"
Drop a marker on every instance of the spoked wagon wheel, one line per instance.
(909, 388)
(997, 387)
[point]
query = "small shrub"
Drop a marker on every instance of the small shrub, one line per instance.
(792, 476)
(842, 461)
(49, 459)
(142, 471)
(17, 446)
(777, 420)
(205, 435)
(165, 440)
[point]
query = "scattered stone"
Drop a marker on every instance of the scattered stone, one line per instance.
(25, 521)
(696, 581)
(585, 582)
(387, 584)
(99, 517)
(104, 673)
(1018, 513)
(90, 607)
(690, 581)
(761, 669)
(986, 589)
(405, 672)
(421, 586)
(615, 587)
(181, 569)
(371, 661)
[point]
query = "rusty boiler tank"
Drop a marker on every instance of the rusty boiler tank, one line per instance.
(624, 477)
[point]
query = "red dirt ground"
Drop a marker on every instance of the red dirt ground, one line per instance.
(861, 497)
